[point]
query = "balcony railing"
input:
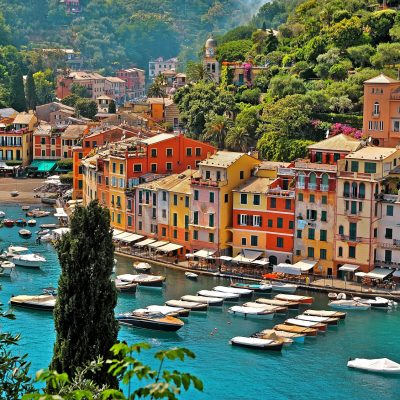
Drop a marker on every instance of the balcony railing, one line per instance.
(285, 171)
(312, 186)
(315, 166)
(301, 185)
(280, 192)
(207, 182)
(324, 188)
(395, 244)
(354, 196)
(375, 114)
(353, 213)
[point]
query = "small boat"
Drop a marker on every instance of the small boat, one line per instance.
(38, 213)
(14, 250)
(6, 268)
(25, 208)
(142, 266)
(48, 200)
(150, 320)
(296, 329)
(9, 223)
(50, 290)
(283, 287)
(20, 222)
(291, 305)
(273, 335)
(48, 237)
(166, 310)
(28, 260)
(48, 226)
(187, 304)
(255, 287)
(306, 324)
(251, 312)
(214, 293)
(25, 233)
(191, 275)
(211, 301)
(256, 343)
(324, 320)
(31, 222)
(377, 302)
(43, 302)
(14, 193)
(124, 286)
(378, 365)
(293, 297)
(153, 281)
(275, 309)
(2, 214)
(240, 292)
(325, 313)
(43, 232)
(349, 305)
(296, 337)
(332, 295)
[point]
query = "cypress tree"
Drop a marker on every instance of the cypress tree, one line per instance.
(31, 96)
(84, 313)
(112, 108)
(17, 92)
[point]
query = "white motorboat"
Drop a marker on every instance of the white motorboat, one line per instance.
(43, 302)
(275, 309)
(324, 320)
(2, 214)
(326, 313)
(214, 293)
(349, 305)
(167, 310)
(228, 289)
(378, 365)
(14, 251)
(283, 287)
(272, 335)
(142, 266)
(145, 280)
(251, 312)
(190, 305)
(306, 324)
(211, 301)
(6, 268)
(31, 222)
(25, 233)
(256, 343)
(332, 295)
(191, 275)
(377, 302)
(28, 260)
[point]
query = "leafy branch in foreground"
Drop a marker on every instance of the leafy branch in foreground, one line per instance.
(126, 368)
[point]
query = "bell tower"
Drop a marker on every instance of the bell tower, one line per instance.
(210, 61)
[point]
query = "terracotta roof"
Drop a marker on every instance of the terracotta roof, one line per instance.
(159, 100)
(373, 153)
(23, 118)
(273, 164)
(254, 185)
(7, 112)
(222, 159)
(157, 138)
(74, 131)
(382, 78)
(339, 143)
(167, 182)
(114, 79)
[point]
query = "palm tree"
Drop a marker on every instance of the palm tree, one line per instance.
(157, 89)
(215, 129)
(197, 71)
(238, 139)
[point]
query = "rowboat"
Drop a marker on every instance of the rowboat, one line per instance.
(256, 287)
(187, 304)
(349, 305)
(142, 266)
(9, 223)
(211, 301)
(283, 287)
(291, 305)
(377, 302)
(240, 292)
(307, 324)
(296, 329)
(125, 286)
(214, 293)
(273, 335)
(153, 281)
(43, 302)
(191, 275)
(6, 268)
(31, 222)
(325, 313)
(293, 297)
(256, 343)
(296, 337)
(324, 320)
(166, 310)
(2, 214)
(150, 320)
(251, 312)
(378, 365)
(275, 309)
(20, 222)
(25, 233)
(37, 213)
(25, 208)
(14, 193)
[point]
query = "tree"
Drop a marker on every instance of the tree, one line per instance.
(79, 90)
(31, 97)
(360, 55)
(17, 92)
(70, 100)
(157, 88)
(112, 108)
(86, 108)
(234, 51)
(216, 128)
(251, 96)
(380, 23)
(346, 33)
(284, 85)
(84, 313)
(386, 54)
(196, 71)
(44, 84)
(238, 139)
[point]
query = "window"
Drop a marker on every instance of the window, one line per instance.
(175, 200)
(325, 182)
(154, 213)
(312, 198)
(270, 223)
(352, 252)
(323, 216)
(241, 174)
(354, 166)
(288, 204)
(114, 167)
(346, 189)
(188, 151)
(164, 196)
(186, 221)
(140, 225)
(389, 233)
(324, 200)
(389, 211)
(211, 220)
(336, 157)
(280, 223)
(388, 256)
(323, 235)
(312, 215)
(243, 198)
(242, 219)
(279, 242)
(257, 220)
(198, 151)
(118, 218)
(137, 168)
(121, 169)
(196, 195)
(341, 230)
(211, 237)
(310, 252)
(340, 252)
(244, 241)
(43, 153)
(129, 220)
(291, 224)
(186, 236)
(164, 213)
(153, 153)
(299, 234)
(163, 231)
(175, 219)
(195, 217)
(195, 235)
(376, 108)
(175, 233)
(186, 201)
(361, 192)
(153, 167)
(140, 210)
(375, 232)
(311, 233)
(226, 198)
(370, 168)
(168, 166)
(312, 181)
(254, 240)
(43, 140)
(169, 152)
(300, 197)
(322, 254)
(256, 199)
(211, 197)
(353, 230)
(273, 202)
(208, 174)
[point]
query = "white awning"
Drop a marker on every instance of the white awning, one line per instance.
(285, 268)
(205, 253)
(349, 267)
(169, 247)
(132, 237)
(263, 261)
(116, 232)
(144, 242)
(306, 265)
(225, 258)
(61, 231)
(60, 213)
(121, 235)
(189, 255)
(159, 243)
(248, 256)
(360, 274)
(379, 273)
(396, 273)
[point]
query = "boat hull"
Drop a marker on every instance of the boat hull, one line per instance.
(284, 289)
(271, 347)
(254, 287)
(130, 288)
(148, 324)
(252, 316)
(27, 264)
(32, 306)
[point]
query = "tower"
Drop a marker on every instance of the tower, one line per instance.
(209, 60)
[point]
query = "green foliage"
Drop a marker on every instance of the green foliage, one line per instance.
(112, 108)
(251, 96)
(158, 87)
(30, 89)
(380, 23)
(67, 163)
(67, 179)
(79, 90)
(238, 33)
(44, 84)
(283, 85)
(386, 54)
(17, 92)
(215, 129)
(70, 100)
(197, 71)
(86, 108)
(360, 55)
(234, 51)
(84, 312)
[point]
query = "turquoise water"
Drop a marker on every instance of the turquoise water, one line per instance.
(313, 371)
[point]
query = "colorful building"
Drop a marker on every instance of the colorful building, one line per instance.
(135, 81)
(159, 65)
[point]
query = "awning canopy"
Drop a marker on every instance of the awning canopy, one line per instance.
(144, 242)
(360, 274)
(43, 165)
(61, 231)
(305, 265)
(248, 256)
(132, 237)
(285, 268)
(379, 273)
(121, 235)
(169, 247)
(349, 267)
(396, 273)
(225, 258)
(60, 213)
(205, 253)
(262, 262)
(157, 244)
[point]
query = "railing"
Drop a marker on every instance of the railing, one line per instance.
(315, 166)
(300, 185)
(353, 196)
(324, 188)
(353, 213)
(357, 175)
(280, 192)
(390, 198)
(386, 263)
(394, 245)
(375, 114)
(207, 182)
(285, 171)
(312, 186)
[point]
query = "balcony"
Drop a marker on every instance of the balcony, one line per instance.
(285, 171)
(324, 188)
(355, 239)
(312, 186)
(387, 198)
(207, 182)
(353, 196)
(375, 114)
(278, 192)
(395, 244)
(301, 185)
(358, 175)
(315, 166)
(386, 264)
(352, 213)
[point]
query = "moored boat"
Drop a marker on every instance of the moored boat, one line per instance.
(273, 335)
(214, 293)
(48, 226)
(6, 268)
(256, 343)
(240, 292)
(275, 309)
(31, 222)
(124, 286)
(145, 280)
(211, 301)
(296, 337)
(191, 275)
(9, 223)
(293, 297)
(167, 310)
(20, 222)
(25, 233)
(251, 312)
(151, 320)
(323, 320)
(2, 214)
(14, 250)
(14, 193)
(192, 306)
(43, 232)
(283, 287)
(326, 313)
(37, 213)
(28, 260)
(291, 305)
(256, 287)
(25, 208)
(378, 365)
(296, 329)
(377, 302)
(142, 266)
(306, 324)
(43, 302)
(349, 305)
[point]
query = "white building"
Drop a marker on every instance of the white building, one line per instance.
(159, 65)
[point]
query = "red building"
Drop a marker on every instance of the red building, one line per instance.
(135, 81)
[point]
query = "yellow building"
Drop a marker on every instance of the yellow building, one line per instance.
(359, 180)
(89, 179)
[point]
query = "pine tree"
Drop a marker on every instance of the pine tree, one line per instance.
(17, 92)
(112, 108)
(31, 96)
(84, 313)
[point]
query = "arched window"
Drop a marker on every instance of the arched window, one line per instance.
(346, 189)
(341, 230)
(361, 192)
(324, 182)
(312, 181)
(340, 251)
(376, 108)
(301, 181)
(354, 189)
(273, 260)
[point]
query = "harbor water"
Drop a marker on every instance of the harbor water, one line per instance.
(311, 371)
